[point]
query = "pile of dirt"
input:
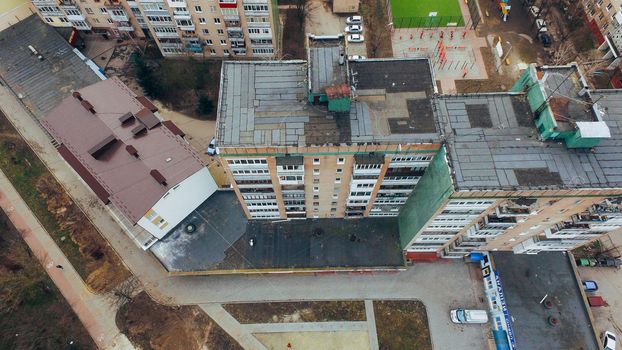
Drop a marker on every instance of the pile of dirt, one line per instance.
(105, 269)
(402, 324)
(149, 325)
(33, 313)
(304, 311)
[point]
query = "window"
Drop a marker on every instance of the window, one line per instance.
(335, 196)
(49, 20)
(341, 160)
(338, 180)
(256, 8)
(316, 203)
(333, 203)
(217, 20)
(202, 20)
(316, 189)
(63, 19)
(316, 161)
(339, 170)
(225, 52)
(109, 20)
(316, 181)
(333, 209)
(316, 172)
(212, 51)
(316, 209)
(88, 10)
(220, 32)
(205, 31)
(71, 12)
(223, 42)
(263, 50)
(209, 42)
(103, 10)
(315, 196)
(198, 9)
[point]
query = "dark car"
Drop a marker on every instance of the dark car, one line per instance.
(545, 39)
(590, 286)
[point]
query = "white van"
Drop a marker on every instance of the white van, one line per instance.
(468, 316)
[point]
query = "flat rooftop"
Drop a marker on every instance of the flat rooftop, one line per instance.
(42, 83)
(222, 236)
(393, 101)
(526, 279)
(266, 103)
(324, 63)
(493, 144)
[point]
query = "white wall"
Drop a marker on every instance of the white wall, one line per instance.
(178, 203)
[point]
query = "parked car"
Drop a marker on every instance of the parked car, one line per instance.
(541, 25)
(609, 341)
(468, 316)
(355, 38)
(534, 11)
(545, 39)
(354, 20)
(590, 286)
(356, 57)
(356, 28)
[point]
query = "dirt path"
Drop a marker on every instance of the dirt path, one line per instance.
(95, 312)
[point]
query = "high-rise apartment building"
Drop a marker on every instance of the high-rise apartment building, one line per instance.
(606, 15)
(534, 169)
(297, 145)
(111, 17)
(202, 28)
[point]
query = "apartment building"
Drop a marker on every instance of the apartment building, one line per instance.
(326, 138)
(606, 15)
(111, 18)
(535, 169)
(202, 28)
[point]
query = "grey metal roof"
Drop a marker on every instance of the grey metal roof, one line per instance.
(42, 83)
(509, 155)
(263, 103)
(324, 62)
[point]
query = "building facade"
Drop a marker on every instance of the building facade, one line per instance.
(536, 169)
(606, 15)
(202, 28)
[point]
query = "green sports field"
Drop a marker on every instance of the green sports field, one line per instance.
(415, 13)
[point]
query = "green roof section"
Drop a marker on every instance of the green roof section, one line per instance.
(432, 191)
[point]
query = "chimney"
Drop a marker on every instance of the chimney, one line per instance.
(132, 150)
(158, 177)
(76, 95)
(88, 106)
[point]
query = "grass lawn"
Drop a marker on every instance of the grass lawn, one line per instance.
(303, 311)
(416, 13)
(402, 324)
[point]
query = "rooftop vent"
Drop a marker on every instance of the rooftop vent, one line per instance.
(102, 146)
(77, 95)
(35, 52)
(132, 150)
(88, 106)
(158, 177)
(127, 118)
(139, 129)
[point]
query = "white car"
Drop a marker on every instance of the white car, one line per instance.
(541, 25)
(356, 57)
(356, 28)
(355, 38)
(468, 316)
(354, 20)
(609, 341)
(534, 11)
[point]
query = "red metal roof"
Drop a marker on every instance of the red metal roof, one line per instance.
(117, 174)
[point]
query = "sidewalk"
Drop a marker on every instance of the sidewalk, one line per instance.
(93, 310)
(230, 325)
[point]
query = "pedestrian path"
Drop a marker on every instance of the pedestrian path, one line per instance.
(93, 310)
(230, 325)
(371, 324)
(306, 327)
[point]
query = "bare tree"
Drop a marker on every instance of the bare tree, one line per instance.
(124, 292)
(377, 26)
(564, 53)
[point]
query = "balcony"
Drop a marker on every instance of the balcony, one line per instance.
(185, 24)
(44, 2)
(166, 34)
(224, 4)
(234, 33)
(181, 14)
(177, 3)
(233, 23)
(118, 15)
(124, 26)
